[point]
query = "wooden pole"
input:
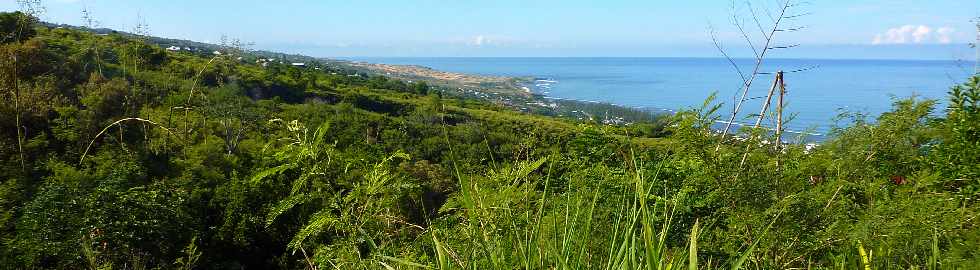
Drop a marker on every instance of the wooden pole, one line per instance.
(778, 82)
(779, 109)
(765, 106)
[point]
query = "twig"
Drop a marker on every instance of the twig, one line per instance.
(832, 198)
(307, 258)
(194, 86)
(116, 123)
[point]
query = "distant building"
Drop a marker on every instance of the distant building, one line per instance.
(299, 64)
(173, 48)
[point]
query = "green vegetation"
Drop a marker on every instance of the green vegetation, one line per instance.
(119, 154)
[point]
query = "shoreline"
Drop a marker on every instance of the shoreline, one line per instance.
(531, 94)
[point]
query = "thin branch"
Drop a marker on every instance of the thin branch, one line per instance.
(748, 40)
(755, 18)
(116, 123)
(714, 39)
(755, 71)
(191, 94)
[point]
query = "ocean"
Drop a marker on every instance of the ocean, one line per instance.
(815, 95)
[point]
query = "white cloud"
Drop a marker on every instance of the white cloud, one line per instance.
(480, 40)
(921, 33)
(487, 41)
(490, 41)
(943, 35)
(914, 34)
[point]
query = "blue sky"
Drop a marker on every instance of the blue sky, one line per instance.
(935, 29)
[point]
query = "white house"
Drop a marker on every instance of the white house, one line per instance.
(173, 48)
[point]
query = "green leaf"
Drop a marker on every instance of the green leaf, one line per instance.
(404, 262)
(271, 171)
(317, 224)
(283, 206)
(693, 249)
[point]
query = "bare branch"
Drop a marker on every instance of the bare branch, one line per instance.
(714, 39)
(33, 8)
(755, 18)
(738, 24)
(758, 64)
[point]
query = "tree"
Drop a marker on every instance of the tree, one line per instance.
(421, 88)
(16, 27)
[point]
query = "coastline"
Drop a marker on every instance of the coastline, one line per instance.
(531, 95)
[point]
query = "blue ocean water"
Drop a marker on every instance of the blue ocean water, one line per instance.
(815, 96)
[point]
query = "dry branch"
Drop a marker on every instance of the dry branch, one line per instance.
(760, 55)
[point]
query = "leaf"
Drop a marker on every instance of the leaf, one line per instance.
(441, 254)
(317, 223)
(283, 206)
(299, 184)
(934, 260)
(403, 262)
(271, 171)
(741, 259)
(321, 133)
(527, 169)
(864, 256)
(693, 249)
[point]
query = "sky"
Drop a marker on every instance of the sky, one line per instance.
(903, 29)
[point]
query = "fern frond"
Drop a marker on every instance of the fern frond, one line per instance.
(283, 206)
(319, 222)
(271, 171)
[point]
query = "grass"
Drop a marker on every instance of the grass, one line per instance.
(520, 224)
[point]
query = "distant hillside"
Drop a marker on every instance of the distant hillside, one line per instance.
(506, 91)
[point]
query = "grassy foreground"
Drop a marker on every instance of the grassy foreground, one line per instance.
(119, 154)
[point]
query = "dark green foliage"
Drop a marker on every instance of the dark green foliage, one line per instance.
(193, 159)
(16, 27)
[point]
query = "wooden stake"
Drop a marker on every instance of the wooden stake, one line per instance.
(779, 109)
(778, 82)
(765, 106)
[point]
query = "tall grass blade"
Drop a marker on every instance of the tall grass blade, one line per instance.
(865, 261)
(692, 252)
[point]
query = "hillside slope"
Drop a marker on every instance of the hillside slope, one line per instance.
(117, 152)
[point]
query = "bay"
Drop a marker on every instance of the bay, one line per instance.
(815, 96)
